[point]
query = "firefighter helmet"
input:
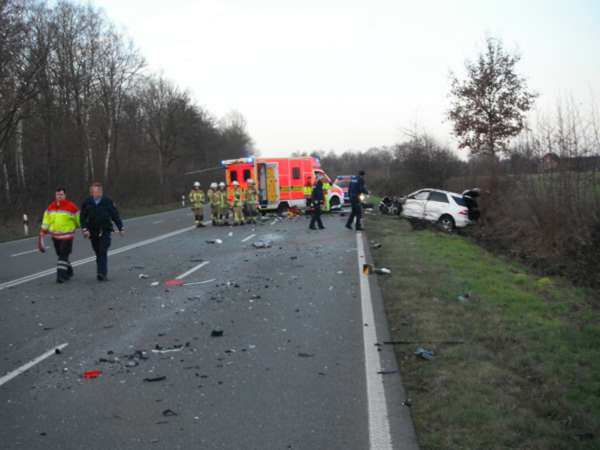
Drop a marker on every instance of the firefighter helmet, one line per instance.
(222, 184)
(213, 185)
(196, 184)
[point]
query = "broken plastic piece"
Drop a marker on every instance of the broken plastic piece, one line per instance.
(91, 374)
(262, 244)
(174, 282)
(169, 413)
(386, 372)
(214, 241)
(216, 333)
(367, 269)
(424, 353)
(305, 355)
(142, 276)
(383, 270)
(154, 283)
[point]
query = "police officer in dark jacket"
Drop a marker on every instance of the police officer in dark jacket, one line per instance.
(355, 189)
(97, 216)
(317, 200)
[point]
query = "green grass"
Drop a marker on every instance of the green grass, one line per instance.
(527, 373)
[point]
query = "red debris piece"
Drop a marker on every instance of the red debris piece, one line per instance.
(174, 282)
(90, 374)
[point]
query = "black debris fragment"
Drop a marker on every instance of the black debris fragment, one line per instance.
(305, 355)
(169, 413)
(155, 379)
(216, 333)
(424, 353)
(57, 351)
(386, 372)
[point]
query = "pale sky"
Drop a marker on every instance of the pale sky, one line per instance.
(344, 74)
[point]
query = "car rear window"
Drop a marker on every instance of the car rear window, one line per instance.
(438, 197)
(460, 201)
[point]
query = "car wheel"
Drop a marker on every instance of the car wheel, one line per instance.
(446, 222)
(334, 202)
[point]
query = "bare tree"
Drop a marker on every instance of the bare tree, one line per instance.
(489, 106)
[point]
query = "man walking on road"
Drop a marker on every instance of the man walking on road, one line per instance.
(197, 200)
(61, 219)
(97, 216)
(317, 200)
(355, 190)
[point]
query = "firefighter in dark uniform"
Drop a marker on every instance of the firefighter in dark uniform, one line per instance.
(356, 189)
(317, 200)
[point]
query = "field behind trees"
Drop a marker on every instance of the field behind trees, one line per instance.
(77, 105)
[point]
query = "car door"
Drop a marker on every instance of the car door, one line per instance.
(414, 206)
(436, 206)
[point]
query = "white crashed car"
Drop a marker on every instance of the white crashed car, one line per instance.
(448, 209)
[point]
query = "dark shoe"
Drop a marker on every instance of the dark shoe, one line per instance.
(349, 227)
(60, 280)
(360, 229)
(101, 277)
(312, 228)
(321, 228)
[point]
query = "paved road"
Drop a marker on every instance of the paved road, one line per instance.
(296, 367)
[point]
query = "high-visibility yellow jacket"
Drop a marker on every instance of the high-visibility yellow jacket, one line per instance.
(237, 198)
(222, 193)
(307, 191)
(61, 219)
(213, 197)
(251, 195)
(197, 198)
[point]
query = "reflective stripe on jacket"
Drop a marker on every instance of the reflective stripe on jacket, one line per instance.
(197, 198)
(61, 220)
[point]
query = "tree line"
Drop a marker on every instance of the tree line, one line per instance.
(77, 105)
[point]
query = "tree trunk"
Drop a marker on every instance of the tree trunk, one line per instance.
(19, 162)
(108, 149)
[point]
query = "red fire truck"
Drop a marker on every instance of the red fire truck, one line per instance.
(281, 181)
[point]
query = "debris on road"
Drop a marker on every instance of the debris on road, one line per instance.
(143, 276)
(305, 355)
(155, 379)
(196, 260)
(174, 282)
(424, 353)
(383, 271)
(154, 283)
(367, 269)
(216, 333)
(214, 241)
(387, 372)
(262, 244)
(375, 244)
(169, 413)
(57, 351)
(91, 374)
(159, 349)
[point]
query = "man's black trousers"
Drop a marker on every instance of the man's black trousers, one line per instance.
(63, 248)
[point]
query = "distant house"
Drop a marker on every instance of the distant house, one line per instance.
(550, 162)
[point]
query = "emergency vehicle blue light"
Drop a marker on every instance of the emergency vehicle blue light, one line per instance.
(249, 160)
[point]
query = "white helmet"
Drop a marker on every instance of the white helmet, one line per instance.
(235, 183)
(250, 180)
(213, 185)
(222, 184)
(196, 184)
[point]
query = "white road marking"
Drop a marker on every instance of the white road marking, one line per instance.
(192, 270)
(24, 253)
(200, 282)
(247, 238)
(379, 427)
(15, 373)
(80, 262)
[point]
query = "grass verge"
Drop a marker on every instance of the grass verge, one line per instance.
(517, 356)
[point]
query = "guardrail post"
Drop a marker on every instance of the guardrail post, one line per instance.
(183, 201)
(25, 224)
